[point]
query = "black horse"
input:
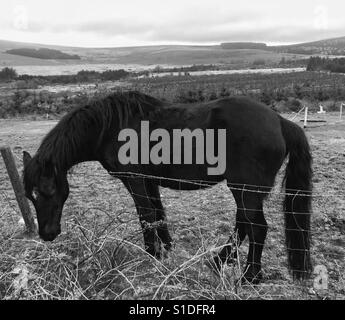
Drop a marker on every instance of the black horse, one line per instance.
(258, 141)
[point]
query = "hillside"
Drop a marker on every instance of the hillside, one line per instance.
(43, 53)
(183, 55)
(232, 54)
(335, 46)
(244, 45)
(173, 55)
(16, 60)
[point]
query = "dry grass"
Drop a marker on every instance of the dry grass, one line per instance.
(100, 255)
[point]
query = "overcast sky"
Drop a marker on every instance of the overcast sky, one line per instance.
(102, 23)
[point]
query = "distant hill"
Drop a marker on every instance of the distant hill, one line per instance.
(244, 45)
(151, 56)
(43, 53)
(233, 54)
(335, 46)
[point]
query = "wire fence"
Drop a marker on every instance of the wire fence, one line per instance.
(100, 211)
(305, 115)
(100, 253)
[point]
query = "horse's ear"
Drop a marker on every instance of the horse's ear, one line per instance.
(26, 158)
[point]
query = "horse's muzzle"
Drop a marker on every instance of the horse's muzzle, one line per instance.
(49, 234)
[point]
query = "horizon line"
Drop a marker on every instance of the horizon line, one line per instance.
(268, 43)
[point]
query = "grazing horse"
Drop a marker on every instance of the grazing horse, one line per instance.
(257, 142)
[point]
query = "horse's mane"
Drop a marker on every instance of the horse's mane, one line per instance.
(71, 137)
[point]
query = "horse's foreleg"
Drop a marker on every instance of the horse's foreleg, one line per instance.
(162, 228)
(149, 226)
(149, 216)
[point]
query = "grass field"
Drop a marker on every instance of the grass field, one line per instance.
(100, 255)
(282, 91)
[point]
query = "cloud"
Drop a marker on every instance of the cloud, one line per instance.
(112, 28)
(179, 21)
(223, 34)
(235, 29)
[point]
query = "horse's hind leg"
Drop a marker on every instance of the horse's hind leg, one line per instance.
(229, 252)
(250, 221)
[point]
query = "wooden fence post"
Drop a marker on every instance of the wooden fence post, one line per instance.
(305, 117)
(18, 190)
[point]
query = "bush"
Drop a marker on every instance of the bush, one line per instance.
(294, 105)
(8, 74)
(266, 97)
(259, 62)
(332, 65)
(87, 75)
(114, 74)
(331, 106)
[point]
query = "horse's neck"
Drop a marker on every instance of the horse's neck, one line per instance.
(67, 148)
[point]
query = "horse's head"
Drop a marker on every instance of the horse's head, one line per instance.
(48, 190)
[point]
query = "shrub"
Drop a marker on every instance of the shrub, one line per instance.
(294, 105)
(8, 74)
(114, 74)
(331, 106)
(259, 62)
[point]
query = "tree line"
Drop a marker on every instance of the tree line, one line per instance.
(326, 64)
(7, 74)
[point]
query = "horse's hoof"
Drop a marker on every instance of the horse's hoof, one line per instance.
(222, 261)
(214, 265)
(159, 250)
(250, 277)
(167, 246)
(217, 263)
(154, 253)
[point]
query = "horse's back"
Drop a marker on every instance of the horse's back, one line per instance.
(254, 146)
(242, 112)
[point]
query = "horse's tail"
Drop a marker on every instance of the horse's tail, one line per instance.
(297, 203)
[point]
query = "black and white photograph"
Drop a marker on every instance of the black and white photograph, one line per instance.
(172, 154)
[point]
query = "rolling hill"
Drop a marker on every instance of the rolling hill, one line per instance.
(234, 55)
(335, 46)
(42, 53)
(173, 55)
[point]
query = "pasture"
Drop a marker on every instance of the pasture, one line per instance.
(100, 254)
(37, 97)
